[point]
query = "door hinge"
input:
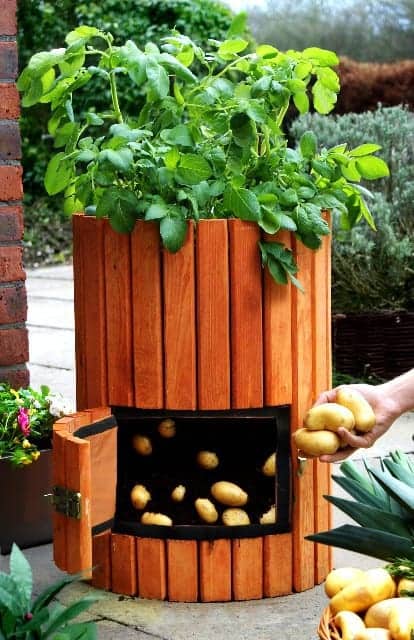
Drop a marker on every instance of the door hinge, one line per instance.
(67, 502)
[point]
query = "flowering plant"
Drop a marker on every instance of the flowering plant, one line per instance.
(26, 419)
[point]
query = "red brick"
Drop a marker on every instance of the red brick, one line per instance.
(14, 346)
(13, 304)
(11, 224)
(11, 267)
(8, 60)
(16, 376)
(10, 148)
(8, 24)
(11, 187)
(9, 101)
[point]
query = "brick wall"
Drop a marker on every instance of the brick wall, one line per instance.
(14, 348)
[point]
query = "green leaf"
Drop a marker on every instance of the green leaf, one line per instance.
(192, 169)
(121, 159)
(269, 220)
(370, 542)
(68, 613)
(324, 99)
(172, 158)
(364, 150)
(177, 67)
(93, 119)
(372, 168)
(308, 144)
(59, 173)
(84, 33)
(173, 232)
(156, 211)
(22, 575)
(328, 78)
(238, 25)
(301, 101)
(228, 48)
(360, 492)
(41, 62)
(120, 206)
(243, 130)
(322, 57)
(158, 80)
(267, 51)
(394, 487)
(46, 597)
(367, 516)
(241, 203)
(302, 70)
(179, 135)
(351, 172)
(10, 596)
(134, 60)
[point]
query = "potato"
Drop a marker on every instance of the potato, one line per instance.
(229, 494)
(378, 614)
(140, 496)
(349, 624)
(206, 510)
(156, 518)
(373, 634)
(178, 494)
(235, 517)
(329, 415)
(405, 584)
(269, 517)
(375, 585)
(142, 445)
(362, 410)
(316, 443)
(269, 467)
(207, 459)
(166, 428)
(337, 579)
(401, 620)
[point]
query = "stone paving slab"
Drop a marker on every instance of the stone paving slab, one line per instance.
(51, 313)
(44, 288)
(51, 348)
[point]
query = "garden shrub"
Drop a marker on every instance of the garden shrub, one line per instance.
(364, 85)
(373, 270)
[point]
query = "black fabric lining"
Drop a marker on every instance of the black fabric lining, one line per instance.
(102, 526)
(96, 427)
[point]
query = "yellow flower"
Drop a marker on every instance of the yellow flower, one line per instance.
(35, 455)
(26, 444)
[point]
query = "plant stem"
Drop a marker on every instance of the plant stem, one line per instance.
(114, 95)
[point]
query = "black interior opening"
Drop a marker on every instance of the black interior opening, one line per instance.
(242, 440)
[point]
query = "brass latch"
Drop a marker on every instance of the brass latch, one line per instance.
(67, 502)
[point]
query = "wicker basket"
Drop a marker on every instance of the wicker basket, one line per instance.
(326, 628)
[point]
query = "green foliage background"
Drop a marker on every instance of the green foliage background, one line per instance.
(374, 269)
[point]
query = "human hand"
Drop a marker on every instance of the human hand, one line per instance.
(386, 412)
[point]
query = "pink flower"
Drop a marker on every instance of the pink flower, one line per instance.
(23, 421)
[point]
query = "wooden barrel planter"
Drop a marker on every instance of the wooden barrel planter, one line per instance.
(202, 331)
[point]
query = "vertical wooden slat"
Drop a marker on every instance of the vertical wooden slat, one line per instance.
(90, 319)
(322, 380)
(179, 326)
(101, 559)
(124, 564)
(215, 570)
(246, 315)
(119, 318)
(302, 378)
(277, 335)
(59, 520)
(277, 565)
(147, 316)
(182, 571)
(213, 330)
(99, 413)
(152, 568)
(78, 478)
(247, 561)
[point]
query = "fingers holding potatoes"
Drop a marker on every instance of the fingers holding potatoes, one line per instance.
(354, 401)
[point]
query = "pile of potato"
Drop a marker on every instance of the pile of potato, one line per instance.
(370, 605)
(319, 435)
(224, 493)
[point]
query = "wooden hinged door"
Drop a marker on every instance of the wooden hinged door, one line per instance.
(84, 491)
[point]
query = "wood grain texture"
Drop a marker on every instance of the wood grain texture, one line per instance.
(119, 318)
(179, 326)
(246, 315)
(152, 568)
(277, 565)
(277, 340)
(182, 573)
(322, 380)
(147, 316)
(90, 311)
(213, 322)
(124, 564)
(302, 378)
(247, 562)
(215, 570)
(101, 559)
(78, 478)
(59, 479)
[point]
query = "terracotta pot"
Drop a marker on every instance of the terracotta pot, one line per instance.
(25, 514)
